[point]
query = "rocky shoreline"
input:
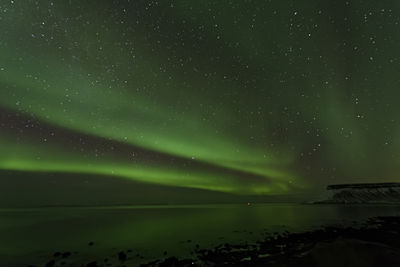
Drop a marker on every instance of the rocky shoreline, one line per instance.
(375, 242)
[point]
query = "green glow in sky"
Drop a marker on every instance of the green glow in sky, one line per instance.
(248, 98)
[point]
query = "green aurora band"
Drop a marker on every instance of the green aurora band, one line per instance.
(251, 98)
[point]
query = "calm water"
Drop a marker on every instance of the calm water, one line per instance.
(31, 236)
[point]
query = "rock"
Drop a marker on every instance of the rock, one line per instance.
(362, 193)
(92, 264)
(66, 254)
(122, 256)
(171, 261)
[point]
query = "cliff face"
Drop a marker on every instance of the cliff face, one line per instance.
(363, 193)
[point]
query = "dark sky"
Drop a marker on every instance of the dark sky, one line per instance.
(239, 97)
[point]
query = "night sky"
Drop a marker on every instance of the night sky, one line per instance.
(244, 97)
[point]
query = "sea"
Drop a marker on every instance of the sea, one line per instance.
(31, 236)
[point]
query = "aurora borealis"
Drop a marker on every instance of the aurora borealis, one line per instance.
(243, 97)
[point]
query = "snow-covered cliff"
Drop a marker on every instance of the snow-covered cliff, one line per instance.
(362, 193)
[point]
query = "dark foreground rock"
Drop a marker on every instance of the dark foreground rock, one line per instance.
(377, 243)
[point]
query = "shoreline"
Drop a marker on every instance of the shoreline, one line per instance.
(375, 242)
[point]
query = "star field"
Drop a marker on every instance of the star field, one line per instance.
(245, 97)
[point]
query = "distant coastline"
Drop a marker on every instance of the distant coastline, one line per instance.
(362, 193)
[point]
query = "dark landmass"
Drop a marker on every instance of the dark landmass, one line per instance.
(373, 243)
(363, 186)
(385, 193)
